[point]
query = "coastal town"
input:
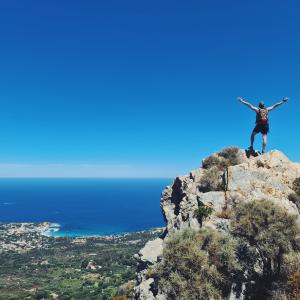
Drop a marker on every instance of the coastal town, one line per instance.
(22, 237)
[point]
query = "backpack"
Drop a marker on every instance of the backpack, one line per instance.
(262, 116)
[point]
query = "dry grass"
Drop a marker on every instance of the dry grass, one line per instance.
(294, 285)
(211, 180)
(229, 156)
(225, 213)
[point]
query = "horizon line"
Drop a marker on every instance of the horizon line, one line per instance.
(84, 177)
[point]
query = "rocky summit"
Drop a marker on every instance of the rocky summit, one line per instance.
(269, 176)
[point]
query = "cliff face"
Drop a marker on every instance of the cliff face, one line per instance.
(269, 176)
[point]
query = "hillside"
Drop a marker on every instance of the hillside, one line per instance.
(36, 267)
(237, 219)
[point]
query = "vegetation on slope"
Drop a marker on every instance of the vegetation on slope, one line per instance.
(229, 156)
(261, 253)
(69, 268)
(197, 265)
(202, 212)
(266, 234)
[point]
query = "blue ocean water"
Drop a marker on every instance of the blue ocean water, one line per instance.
(84, 206)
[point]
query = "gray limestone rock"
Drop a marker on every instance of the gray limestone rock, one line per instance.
(269, 176)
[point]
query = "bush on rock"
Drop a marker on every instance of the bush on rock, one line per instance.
(197, 265)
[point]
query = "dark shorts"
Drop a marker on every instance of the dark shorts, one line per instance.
(262, 128)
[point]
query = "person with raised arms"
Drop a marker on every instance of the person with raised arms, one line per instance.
(262, 120)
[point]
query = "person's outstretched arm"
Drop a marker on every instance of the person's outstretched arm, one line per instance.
(248, 104)
(277, 104)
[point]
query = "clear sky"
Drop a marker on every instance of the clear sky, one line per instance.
(142, 88)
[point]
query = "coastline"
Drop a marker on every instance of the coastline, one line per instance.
(53, 227)
(22, 237)
(69, 216)
(50, 229)
(54, 231)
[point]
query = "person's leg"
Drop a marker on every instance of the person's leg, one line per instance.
(252, 138)
(265, 137)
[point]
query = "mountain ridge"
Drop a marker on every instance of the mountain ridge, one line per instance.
(226, 179)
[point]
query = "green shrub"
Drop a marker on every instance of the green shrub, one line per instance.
(291, 263)
(266, 232)
(84, 264)
(221, 250)
(211, 181)
(197, 265)
(41, 294)
(203, 212)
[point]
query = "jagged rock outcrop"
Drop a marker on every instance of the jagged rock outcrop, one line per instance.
(269, 176)
(148, 257)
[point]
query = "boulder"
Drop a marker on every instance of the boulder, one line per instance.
(151, 251)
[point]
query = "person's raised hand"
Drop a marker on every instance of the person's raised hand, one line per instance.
(285, 99)
(240, 99)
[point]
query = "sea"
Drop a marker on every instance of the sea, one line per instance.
(84, 207)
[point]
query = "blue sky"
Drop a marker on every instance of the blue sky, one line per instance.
(141, 88)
